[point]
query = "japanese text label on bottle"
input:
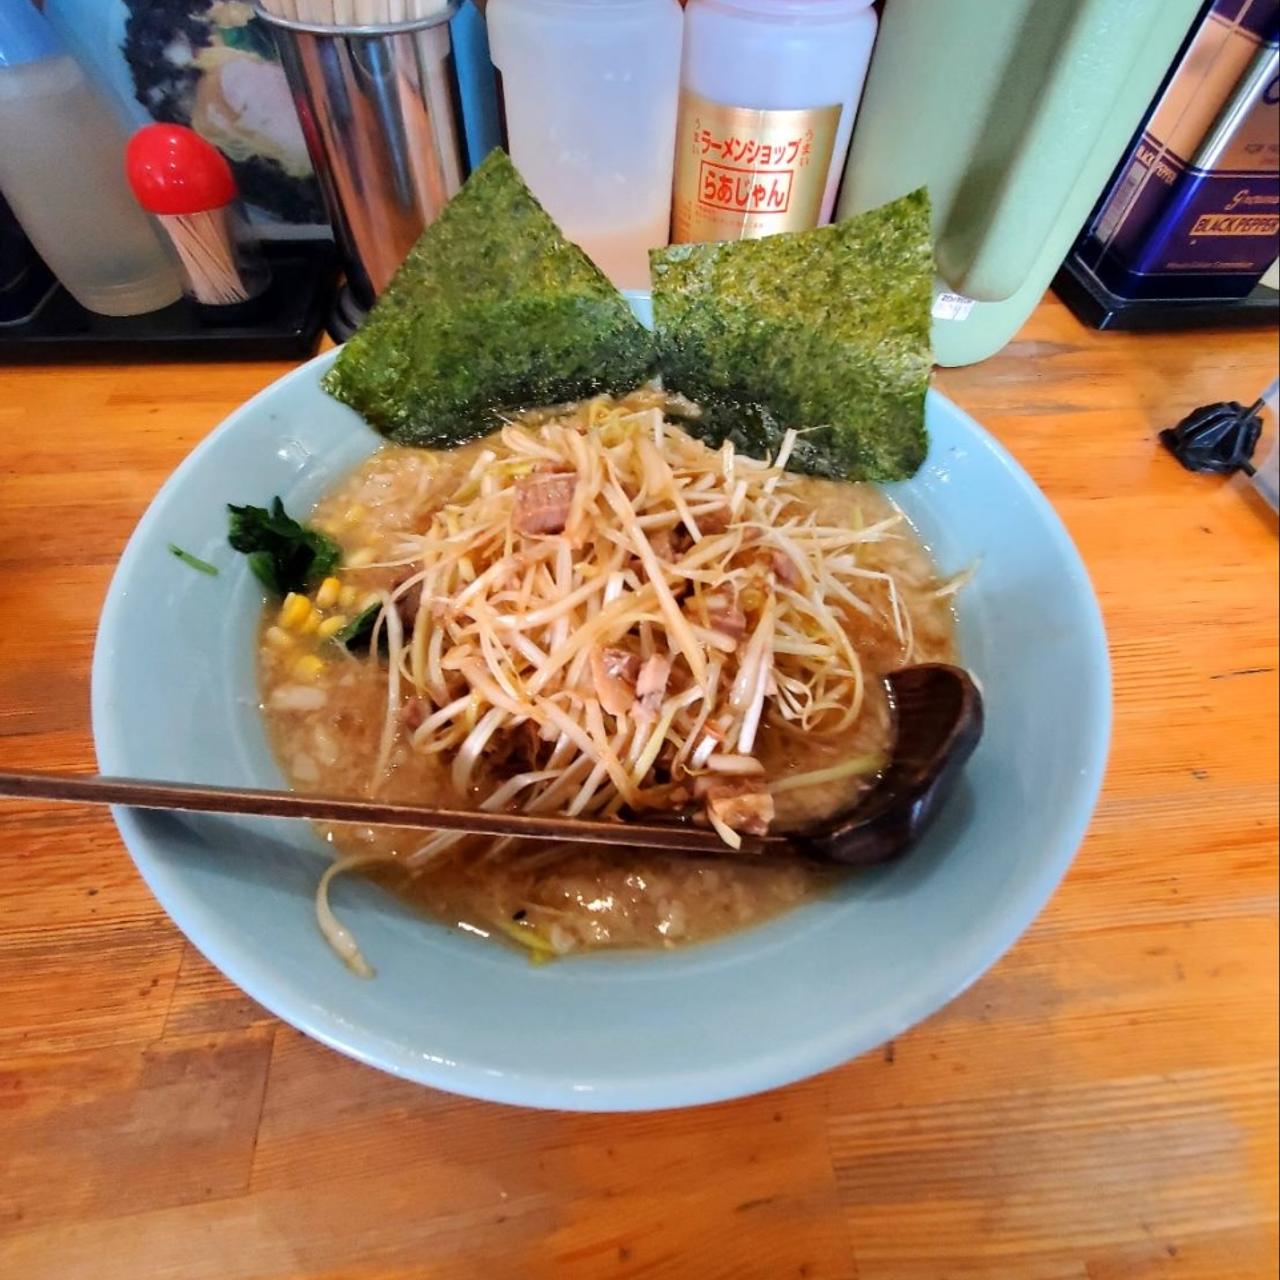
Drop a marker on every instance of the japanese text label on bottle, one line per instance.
(743, 173)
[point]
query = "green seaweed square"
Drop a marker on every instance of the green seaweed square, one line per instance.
(826, 331)
(493, 310)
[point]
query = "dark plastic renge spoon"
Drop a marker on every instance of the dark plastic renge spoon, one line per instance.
(938, 714)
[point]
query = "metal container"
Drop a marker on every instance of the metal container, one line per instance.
(1191, 212)
(377, 108)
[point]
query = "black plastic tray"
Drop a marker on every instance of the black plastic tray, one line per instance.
(1093, 304)
(284, 323)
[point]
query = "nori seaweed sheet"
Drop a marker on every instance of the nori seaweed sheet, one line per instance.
(492, 310)
(825, 330)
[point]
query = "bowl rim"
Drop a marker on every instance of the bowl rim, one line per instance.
(970, 959)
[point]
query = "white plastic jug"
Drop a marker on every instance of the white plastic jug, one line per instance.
(590, 90)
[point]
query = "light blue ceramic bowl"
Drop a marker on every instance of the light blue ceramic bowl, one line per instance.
(174, 697)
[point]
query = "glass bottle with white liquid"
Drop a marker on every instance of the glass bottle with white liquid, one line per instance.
(590, 90)
(62, 172)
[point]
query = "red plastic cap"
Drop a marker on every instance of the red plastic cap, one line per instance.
(173, 170)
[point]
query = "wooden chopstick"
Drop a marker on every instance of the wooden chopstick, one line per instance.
(192, 798)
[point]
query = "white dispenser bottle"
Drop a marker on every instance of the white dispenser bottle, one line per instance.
(590, 91)
(768, 95)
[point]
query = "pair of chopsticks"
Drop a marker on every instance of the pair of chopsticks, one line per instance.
(192, 798)
(353, 13)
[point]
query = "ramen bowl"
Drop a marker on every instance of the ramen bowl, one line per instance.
(175, 697)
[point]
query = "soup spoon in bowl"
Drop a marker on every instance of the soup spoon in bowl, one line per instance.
(938, 717)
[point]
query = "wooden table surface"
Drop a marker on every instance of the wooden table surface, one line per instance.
(1102, 1104)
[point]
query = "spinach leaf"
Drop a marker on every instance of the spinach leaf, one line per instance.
(358, 633)
(283, 554)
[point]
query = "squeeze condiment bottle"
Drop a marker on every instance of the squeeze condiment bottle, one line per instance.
(768, 93)
(589, 89)
(60, 171)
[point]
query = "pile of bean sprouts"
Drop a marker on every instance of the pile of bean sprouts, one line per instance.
(604, 614)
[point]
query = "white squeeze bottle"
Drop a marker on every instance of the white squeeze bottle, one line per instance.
(768, 95)
(62, 172)
(590, 88)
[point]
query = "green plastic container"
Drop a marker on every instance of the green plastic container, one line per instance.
(1013, 113)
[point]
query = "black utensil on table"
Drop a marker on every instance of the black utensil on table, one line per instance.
(1218, 438)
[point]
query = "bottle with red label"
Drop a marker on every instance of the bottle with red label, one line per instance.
(769, 90)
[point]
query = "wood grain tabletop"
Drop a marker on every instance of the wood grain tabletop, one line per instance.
(1102, 1105)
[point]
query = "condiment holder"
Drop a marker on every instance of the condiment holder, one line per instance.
(372, 82)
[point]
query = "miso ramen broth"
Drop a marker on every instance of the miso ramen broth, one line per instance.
(340, 723)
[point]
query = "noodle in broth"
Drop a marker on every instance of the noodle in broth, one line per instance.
(592, 612)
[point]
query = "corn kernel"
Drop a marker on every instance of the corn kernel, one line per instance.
(348, 596)
(471, 712)
(360, 558)
(752, 599)
(277, 638)
(311, 625)
(331, 626)
(327, 594)
(308, 668)
(295, 611)
(354, 514)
